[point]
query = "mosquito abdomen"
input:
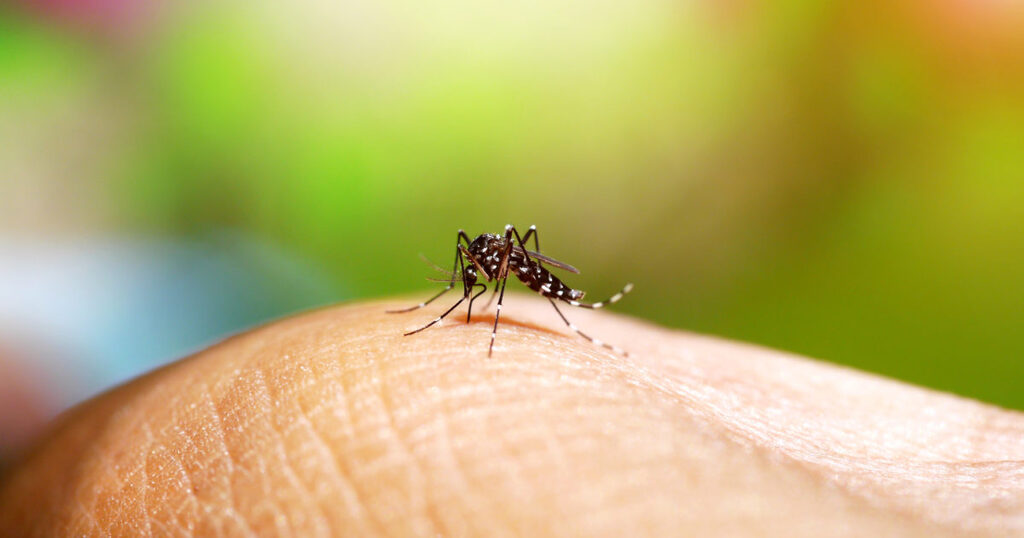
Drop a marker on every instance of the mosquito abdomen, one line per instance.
(542, 281)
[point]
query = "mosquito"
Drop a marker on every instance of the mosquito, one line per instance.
(494, 257)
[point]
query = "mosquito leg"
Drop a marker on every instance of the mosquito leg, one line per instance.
(469, 312)
(600, 304)
(593, 340)
(439, 318)
(424, 303)
(510, 230)
(458, 263)
(494, 296)
(497, 314)
(526, 238)
(503, 275)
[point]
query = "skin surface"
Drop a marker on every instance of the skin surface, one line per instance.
(333, 423)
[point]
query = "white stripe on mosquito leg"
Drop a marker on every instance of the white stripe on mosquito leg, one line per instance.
(574, 303)
(598, 305)
(598, 342)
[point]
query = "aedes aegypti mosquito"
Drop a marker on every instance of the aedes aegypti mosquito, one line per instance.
(495, 257)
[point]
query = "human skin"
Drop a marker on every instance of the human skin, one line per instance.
(333, 423)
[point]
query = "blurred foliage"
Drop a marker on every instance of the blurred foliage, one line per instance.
(843, 180)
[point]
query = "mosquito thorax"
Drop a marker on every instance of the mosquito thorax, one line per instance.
(485, 244)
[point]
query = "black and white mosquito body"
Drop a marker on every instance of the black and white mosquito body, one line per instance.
(494, 257)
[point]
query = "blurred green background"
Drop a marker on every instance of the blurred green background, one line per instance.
(843, 180)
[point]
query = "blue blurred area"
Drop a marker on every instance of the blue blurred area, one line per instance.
(96, 312)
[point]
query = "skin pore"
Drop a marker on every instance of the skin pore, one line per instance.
(333, 423)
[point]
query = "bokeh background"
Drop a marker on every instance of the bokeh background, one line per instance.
(839, 179)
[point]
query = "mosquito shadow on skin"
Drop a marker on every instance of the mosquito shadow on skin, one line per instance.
(489, 320)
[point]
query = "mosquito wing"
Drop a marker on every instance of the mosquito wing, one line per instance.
(550, 261)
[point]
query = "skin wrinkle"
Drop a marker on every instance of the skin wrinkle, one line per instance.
(169, 507)
(615, 487)
(129, 498)
(190, 497)
(285, 469)
(419, 482)
(454, 471)
(351, 491)
(226, 407)
(545, 440)
(321, 525)
(536, 461)
(88, 513)
(214, 417)
(174, 466)
(189, 502)
(169, 504)
(109, 467)
(504, 471)
(413, 481)
(252, 388)
(491, 415)
(517, 440)
(337, 466)
(324, 454)
(106, 465)
(564, 439)
(453, 467)
(361, 486)
(136, 480)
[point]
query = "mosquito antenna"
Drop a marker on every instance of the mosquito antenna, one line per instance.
(436, 267)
